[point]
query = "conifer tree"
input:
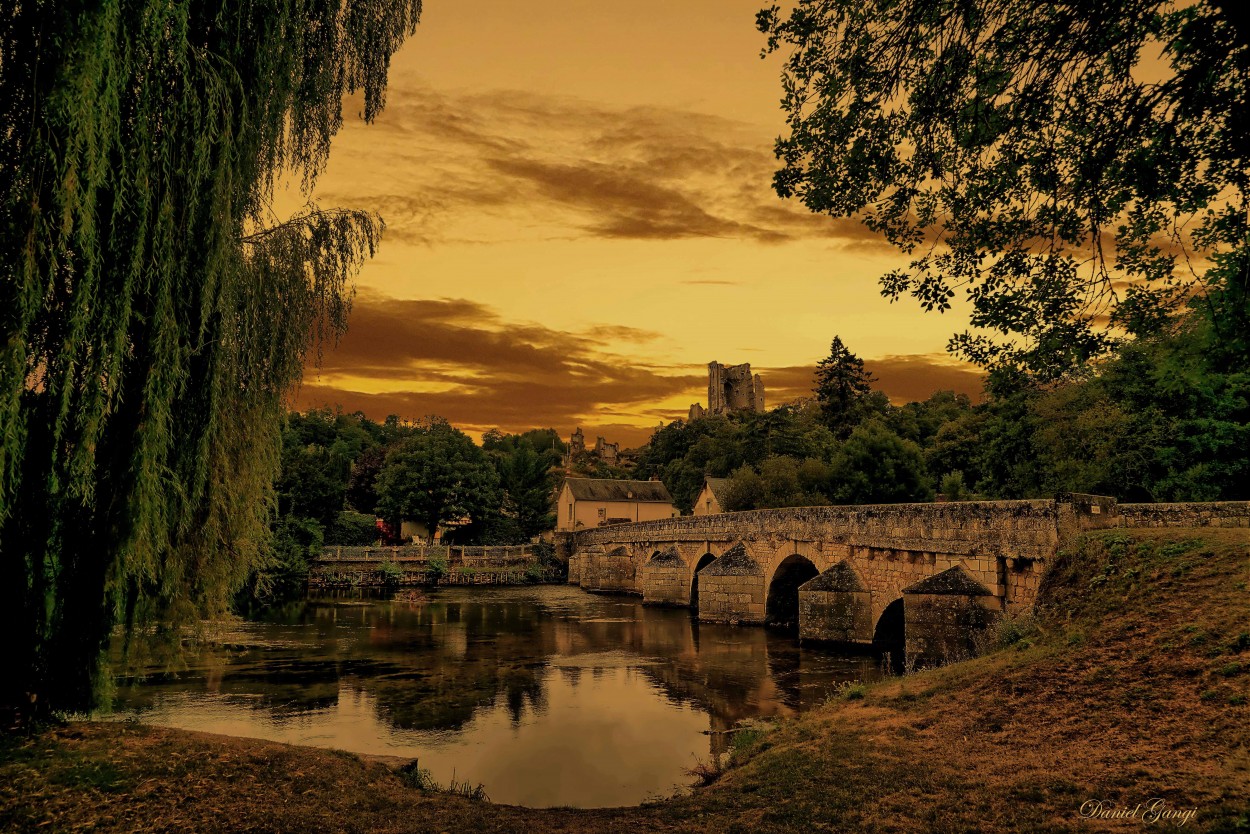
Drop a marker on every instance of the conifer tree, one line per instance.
(841, 384)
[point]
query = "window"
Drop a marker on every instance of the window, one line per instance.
(570, 512)
(603, 513)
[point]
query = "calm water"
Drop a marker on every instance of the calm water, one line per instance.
(546, 695)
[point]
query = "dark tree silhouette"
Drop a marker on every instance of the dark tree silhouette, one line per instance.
(1062, 163)
(841, 384)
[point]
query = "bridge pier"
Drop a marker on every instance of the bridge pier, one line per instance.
(945, 614)
(663, 579)
(836, 606)
(731, 589)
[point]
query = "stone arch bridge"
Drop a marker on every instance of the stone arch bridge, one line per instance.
(871, 574)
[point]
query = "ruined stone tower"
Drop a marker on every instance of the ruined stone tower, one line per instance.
(730, 388)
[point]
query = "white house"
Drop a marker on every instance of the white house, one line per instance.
(594, 502)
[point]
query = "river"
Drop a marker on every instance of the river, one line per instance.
(546, 695)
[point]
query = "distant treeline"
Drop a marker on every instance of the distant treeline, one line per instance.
(1164, 419)
(341, 473)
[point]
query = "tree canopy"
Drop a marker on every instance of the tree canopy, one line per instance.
(1077, 169)
(437, 476)
(152, 315)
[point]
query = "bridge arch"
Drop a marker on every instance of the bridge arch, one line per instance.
(703, 561)
(890, 635)
(782, 604)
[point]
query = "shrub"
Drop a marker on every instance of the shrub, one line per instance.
(415, 776)
(391, 572)
(853, 690)
(1011, 629)
(352, 529)
(436, 568)
(747, 738)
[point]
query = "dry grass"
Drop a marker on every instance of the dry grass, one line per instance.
(1133, 688)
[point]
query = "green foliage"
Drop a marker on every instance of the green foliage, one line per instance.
(953, 486)
(417, 777)
(780, 481)
(283, 572)
(436, 567)
(852, 690)
(841, 385)
(361, 490)
(437, 475)
(352, 529)
(1065, 185)
(1012, 630)
(545, 558)
(1167, 418)
(390, 572)
(527, 484)
(875, 465)
(150, 323)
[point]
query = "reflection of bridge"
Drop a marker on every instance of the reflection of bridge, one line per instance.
(862, 574)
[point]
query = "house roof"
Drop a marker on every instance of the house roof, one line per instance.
(610, 489)
(717, 486)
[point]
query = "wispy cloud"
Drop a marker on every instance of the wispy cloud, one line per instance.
(577, 168)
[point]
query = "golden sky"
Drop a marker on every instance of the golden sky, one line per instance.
(580, 217)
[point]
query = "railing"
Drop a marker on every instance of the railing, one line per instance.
(469, 556)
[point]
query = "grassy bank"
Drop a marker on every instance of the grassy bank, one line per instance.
(1131, 684)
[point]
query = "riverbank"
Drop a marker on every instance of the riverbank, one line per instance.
(1130, 685)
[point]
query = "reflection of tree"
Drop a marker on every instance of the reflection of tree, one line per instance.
(433, 666)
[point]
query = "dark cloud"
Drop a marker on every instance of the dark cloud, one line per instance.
(485, 372)
(903, 378)
(459, 359)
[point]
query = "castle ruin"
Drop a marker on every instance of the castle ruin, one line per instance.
(609, 453)
(730, 388)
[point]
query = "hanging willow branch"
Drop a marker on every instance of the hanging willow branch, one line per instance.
(147, 338)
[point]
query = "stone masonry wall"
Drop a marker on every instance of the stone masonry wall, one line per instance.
(732, 598)
(942, 628)
(1214, 514)
(845, 616)
(1022, 528)
(608, 571)
(664, 580)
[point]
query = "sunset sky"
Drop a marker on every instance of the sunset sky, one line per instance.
(580, 218)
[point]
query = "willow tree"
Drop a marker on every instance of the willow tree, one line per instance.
(1078, 169)
(153, 318)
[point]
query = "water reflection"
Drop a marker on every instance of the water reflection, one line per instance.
(548, 695)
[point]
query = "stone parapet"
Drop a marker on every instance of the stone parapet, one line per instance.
(1186, 514)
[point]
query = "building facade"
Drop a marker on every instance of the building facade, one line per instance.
(710, 500)
(597, 502)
